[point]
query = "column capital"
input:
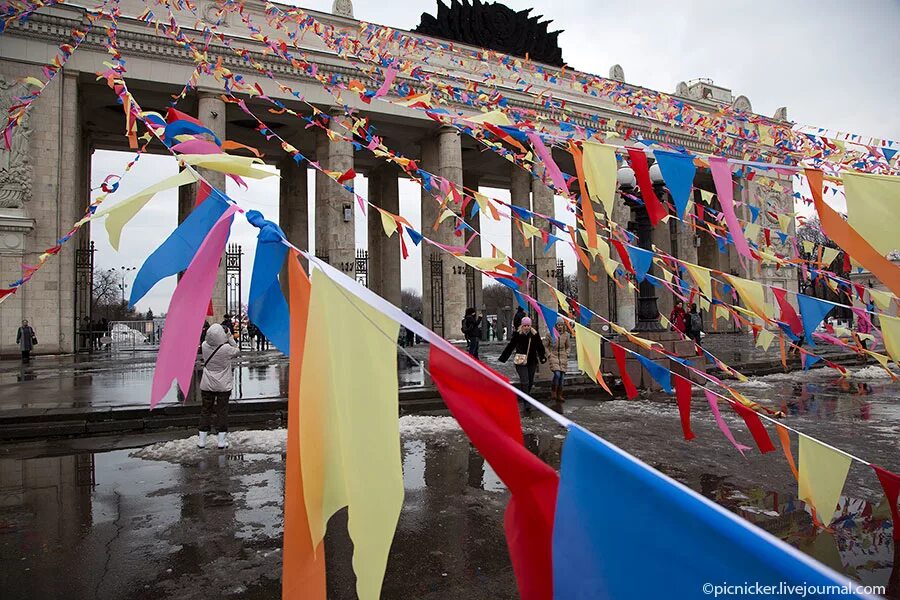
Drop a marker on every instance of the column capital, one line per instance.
(446, 129)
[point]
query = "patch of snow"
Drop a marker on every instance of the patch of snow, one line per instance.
(870, 372)
(758, 384)
(273, 441)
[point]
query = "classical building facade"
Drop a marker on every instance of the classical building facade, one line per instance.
(44, 179)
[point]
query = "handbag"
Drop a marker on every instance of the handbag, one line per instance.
(522, 359)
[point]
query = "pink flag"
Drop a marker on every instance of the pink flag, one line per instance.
(721, 173)
(389, 75)
(552, 168)
(197, 147)
(184, 322)
(714, 406)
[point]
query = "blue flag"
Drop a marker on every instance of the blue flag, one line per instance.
(661, 374)
(267, 307)
(812, 311)
(641, 260)
(678, 172)
(809, 360)
(550, 317)
(614, 512)
(178, 250)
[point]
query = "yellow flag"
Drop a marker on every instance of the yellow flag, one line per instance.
(751, 232)
(600, 170)
(530, 231)
(890, 329)
(822, 472)
(349, 435)
(881, 298)
(808, 246)
(873, 208)
(706, 196)
(587, 347)
(494, 117)
(752, 294)
(388, 222)
(588, 344)
(828, 256)
(245, 166)
(118, 216)
(702, 278)
(561, 300)
(785, 222)
(482, 263)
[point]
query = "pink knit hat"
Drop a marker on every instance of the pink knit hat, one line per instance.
(526, 322)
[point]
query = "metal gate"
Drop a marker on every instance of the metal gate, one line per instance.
(84, 297)
(362, 267)
(561, 277)
(437, 293)
(233, 280)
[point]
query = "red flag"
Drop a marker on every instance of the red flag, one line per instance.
(754, 424)
(173, 115)
(347, 175)
(890, 483)
(623, 255)
(630, 390)
(788, 314)
(642, 173)
(203, 192)
(489, 414)
(683, 395)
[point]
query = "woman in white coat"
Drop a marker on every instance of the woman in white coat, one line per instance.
(218, 349)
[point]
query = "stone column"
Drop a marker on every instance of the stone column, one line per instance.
(429, 163)
(293, 208)
(374, 229)
(542, 202)
(390, 247)
(520, 195)
(335, 235)
(450, 167)
(211, 112)
(476, 248)
(594, 293)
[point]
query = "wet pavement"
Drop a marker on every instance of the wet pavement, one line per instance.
(152, 517)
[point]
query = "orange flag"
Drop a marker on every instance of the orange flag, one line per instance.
(850, 240)
(587, 209)
(785, 440)
(303, 566)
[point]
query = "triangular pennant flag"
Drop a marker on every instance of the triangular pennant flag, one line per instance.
(890, 483)
(658, 372)
(721, 173)
(655, 208)
(678, 172)
(630, 391)
(822, 472)
(594, 553)
(641, 260)
(351, 450)
(266, 307)
(754, 424)
(788, 314)
(588, 344)
(713, 401)
(812, 312)
(890, 331)
(303, 565)
(489, 414)
(683, 390)
(600, 170)
(785, 440)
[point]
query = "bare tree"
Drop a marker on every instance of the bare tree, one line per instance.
(106, 297)
(411, 303)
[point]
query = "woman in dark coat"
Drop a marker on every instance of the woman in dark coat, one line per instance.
(26, 339)
(525, 340)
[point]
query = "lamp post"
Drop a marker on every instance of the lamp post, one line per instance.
(123, 285)
(647, 310)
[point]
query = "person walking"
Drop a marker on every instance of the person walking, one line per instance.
(528, 348)
(217, 382)
(864, 326)
(471, 328)
(678, 317)
(694, 325)
(558, 357)
(27, 340)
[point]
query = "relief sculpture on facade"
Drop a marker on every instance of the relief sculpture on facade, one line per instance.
(15, 166)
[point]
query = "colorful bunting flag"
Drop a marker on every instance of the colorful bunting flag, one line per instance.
(351, 449)
(678, 172)
(267, 308)
(822, 472)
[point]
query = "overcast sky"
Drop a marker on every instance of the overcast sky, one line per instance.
(832, 63)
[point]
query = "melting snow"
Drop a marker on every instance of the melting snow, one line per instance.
(272, 441)
(870, 372)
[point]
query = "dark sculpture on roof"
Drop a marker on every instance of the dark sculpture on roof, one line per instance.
(496, 27)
